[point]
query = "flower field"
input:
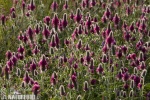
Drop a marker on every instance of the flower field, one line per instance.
(76, 49)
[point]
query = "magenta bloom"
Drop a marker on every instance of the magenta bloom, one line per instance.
(30, 33)
(26, 78)
(47, 20)
(78, 16)
(87, 57)
(103, 19)
(70, 84)
(35, 89)
(43, 63)
(6, 71)
(107, 13)
(119, 75)
(37, 29)
(8, 54)
(126, 36)
(104, 58)
(119, 53)
(142, 25)
(53, 79)
(93, 81)
(32, 5)
(10, 64)
(110, 39)
(3, 18)
(14, 59)
(46, 32)
(53, 42)
(12, 10)
(65, 6)
(116, 19)
(99, 69)
(23, 5)
(126, 76)
(92, 3)
(64, 21)
(96, 29)
(79, 44)
(72, 15)
(33, 66)
(139, 86)
(88, 23)
(131, 27)
(21, 49)
(54, 6)
(136, 80)
(55, 21)
(126, 86)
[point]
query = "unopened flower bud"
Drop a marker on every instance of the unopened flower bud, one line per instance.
(78, 97)
(86, 86)
(62, 90)
(131, 93)
(135, 70)
(18, 72)
(144, 72)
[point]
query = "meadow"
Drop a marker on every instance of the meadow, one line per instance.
(75, 49)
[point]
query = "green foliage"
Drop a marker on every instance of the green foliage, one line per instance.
(5, 5)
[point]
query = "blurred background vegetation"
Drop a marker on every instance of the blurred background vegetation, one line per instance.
(5, 6)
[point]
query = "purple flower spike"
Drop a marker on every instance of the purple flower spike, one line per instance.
(37, 29)
(136, 80)
(53, 79)
(126, 86)
(54, 6)
(104, 58)
(110, 39)
(32, 5)
(47, 20)
(126, 35)
(36, 89)
(116, 19)
(107, 13)
(99, 69)
(87, 57)
(53, 42)
(3, 18)
(65, 6)
(142, 25)
(78, 15)
(32, 66)
(43, 63)
(55, 21)
(70, 84)
(79, 44)
(26, 78)
(21, 49)
(30, 33)
(8, 54)
(119, 53)
(46, 32)
(126, 76)
(88, 23)
(96, 28)
(64, 21)
(35, 50)
(119, 75)
(93, 3)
